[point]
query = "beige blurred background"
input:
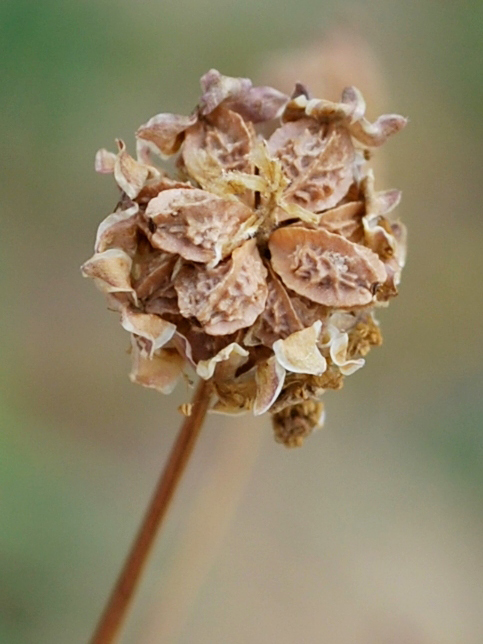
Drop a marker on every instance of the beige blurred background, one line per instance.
(370, 534)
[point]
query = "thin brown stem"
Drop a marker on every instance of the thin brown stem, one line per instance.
(114, 614)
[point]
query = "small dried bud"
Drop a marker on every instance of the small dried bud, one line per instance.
(293, 424)
(260, 265)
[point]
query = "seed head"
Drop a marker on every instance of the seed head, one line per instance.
(260, 263)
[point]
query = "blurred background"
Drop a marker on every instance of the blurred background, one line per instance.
(372, 533)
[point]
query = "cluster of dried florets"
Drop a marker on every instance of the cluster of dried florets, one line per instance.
(260, 264)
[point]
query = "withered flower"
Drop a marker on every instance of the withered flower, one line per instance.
(260, 264)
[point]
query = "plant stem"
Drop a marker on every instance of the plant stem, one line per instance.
(121, 597)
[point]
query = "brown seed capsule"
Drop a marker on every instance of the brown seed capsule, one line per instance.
(259, 266)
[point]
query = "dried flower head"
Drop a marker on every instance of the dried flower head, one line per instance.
(259, 266)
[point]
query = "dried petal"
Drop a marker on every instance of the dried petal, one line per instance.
(105, 161)
(233, 354)
(111, 271)
(345, 220)
(278, 319)
(338, 354)
(218, 145)
(351, 107)
(326, 268)
(181, 343)
(155, 331)
(400, 233)
(118, 230)
(129, 173)
(349, 113)
(343, 321)
(164, 304)
(198, 344)
(228, 297)
(153, 188)
(256, 104)
(161, 372)
(395, 263)
(377, 133)
(318, 163)
(301, 105)
(164, 133)
(299, 352)
(269, 376)
(151, 273)
(387, 201)
(378, 236)
(306, 310)
(217, 88)
(352, 97)
(259, 104)
(195, 224)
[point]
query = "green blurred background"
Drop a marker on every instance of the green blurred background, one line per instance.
(370, 534)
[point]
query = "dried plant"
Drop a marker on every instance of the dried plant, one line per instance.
(260, 264)
(258, 267)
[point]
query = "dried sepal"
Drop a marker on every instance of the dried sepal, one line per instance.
(299, 352)
(342, 321)
(290, 211)
(326, 268)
